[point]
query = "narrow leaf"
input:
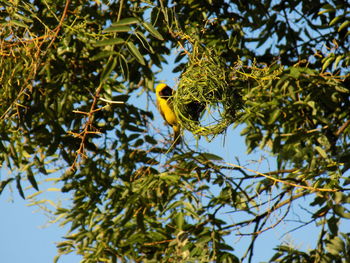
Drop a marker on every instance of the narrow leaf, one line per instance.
(321, 151)
(136, 53)
(335, 20)
(126, 21)
(108, 69)
(103, 54)
(18, 23)
(179, 220)
(173, 205)
(4, 183)
(342, 89)
(144, 41)
(107, 42)
(274, 116)
(19, 186)
(24, 18)
(152, 30)
(117, 29)
(337, 60)
(325, 11)
(335, 246)
(333, 225)
(327, 62)
(344, 25)
(34, 195)
(340, 211)
(32, 180)
(210, 156)
(124, 66)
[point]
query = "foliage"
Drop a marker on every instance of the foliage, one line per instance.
(69, 69)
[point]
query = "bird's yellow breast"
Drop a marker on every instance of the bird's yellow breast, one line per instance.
(167, 112)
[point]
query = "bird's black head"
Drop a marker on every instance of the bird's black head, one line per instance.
(166, 92)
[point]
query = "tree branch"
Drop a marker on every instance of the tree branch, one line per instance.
(284, 181)
(342, 128)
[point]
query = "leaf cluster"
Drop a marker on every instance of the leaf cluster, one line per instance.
(69, 69)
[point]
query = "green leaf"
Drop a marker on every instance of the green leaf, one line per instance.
(144, 41)
(103, 54)
(205, 239)
(138, 143)
(24, 18)
(56, 258)
(114, 29)
(150, 140)
(335, 20)
(327, 62)
(295, 138)
(333, 225)
(336, 246)
(152, 30)
(126, 21)
(140, 221)
(338, 197)
(210, 156)
(32, 180)
(327, 9)
(136, 53)
(179, 220)
(274, 116)
(18, 23)
(122, 97)
(134, 128)
(337, 60)
(328, 6)
(344, 25)
(191, 209)
(340, 210)
(111, 41)
(321, 151)
(4, 183)
(173, 205)
(108, 69)
(294, 72)
(223, 246)
(124, 66)
(19, 186)
(342, 89)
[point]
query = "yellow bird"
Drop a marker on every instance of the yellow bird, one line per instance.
(164, 95)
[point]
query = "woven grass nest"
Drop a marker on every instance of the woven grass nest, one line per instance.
(206, 101)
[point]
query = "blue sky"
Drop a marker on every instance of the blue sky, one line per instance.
(25, 235)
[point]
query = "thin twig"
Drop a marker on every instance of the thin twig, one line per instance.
(272, 209)
(112, 101)
(158, 242)
(283, 181)
(342, 128)
(58, 27)
(298, 227)
(88, 125)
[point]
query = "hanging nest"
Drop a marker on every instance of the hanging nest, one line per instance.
(206, 101)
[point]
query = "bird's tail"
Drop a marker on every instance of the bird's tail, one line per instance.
(177, 134)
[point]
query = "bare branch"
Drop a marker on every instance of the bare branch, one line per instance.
(286, 182)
